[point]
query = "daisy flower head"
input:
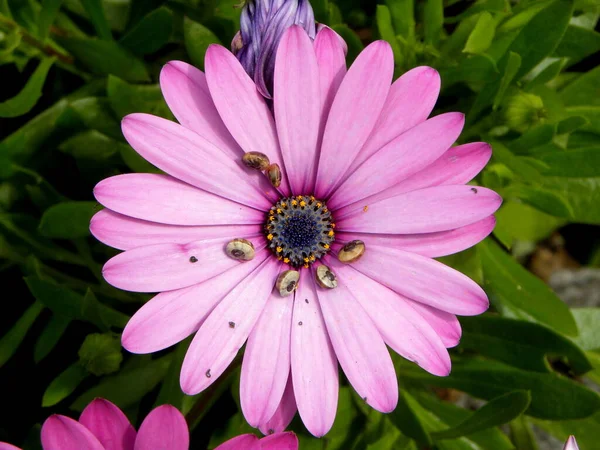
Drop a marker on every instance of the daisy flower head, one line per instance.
(306, 231)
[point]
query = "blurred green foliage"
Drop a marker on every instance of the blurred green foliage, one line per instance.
(520, 71)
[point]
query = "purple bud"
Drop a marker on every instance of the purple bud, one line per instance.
(262, 25)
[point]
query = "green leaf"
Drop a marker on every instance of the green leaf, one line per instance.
(522, 435)
(96, 114)
(584, 91)
(197, 39)
(548, 74)
(452, 415)
(496, 412)
(578, 43)
(525, 223)
(95, 12)
(386, 30)
(91, 145)
(355, 45)
(25, 100)
(521, 344)
(581, 196)
(15, 335)
(548, 201)
(473, 69)
(551, 23)
(150, 34)
(584, 162)
(68, 220)
(170, 391)
(553, 397)
(509, 70)
(403, 16)
(127, 387)
(507, 282)
(125, 98)
(589, 333)
(482, 35)
(64, 385)
(48, 339)
(433, 20)
(48, 13)
(570, 124)
(408, 418)
(106, 57)
(68, 303)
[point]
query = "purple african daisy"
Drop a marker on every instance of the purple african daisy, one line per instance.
(325, 260)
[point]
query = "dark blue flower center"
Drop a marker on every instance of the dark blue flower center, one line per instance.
(299, 230)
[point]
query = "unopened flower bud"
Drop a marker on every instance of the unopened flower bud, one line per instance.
(101, 354)
(262, 25)
(523, 111)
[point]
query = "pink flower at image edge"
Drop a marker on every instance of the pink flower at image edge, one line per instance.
(363, 158)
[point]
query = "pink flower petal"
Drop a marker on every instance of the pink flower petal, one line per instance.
(163, 429)
(406, 155)
(241, 107)
(409, 102)
(124, 233)
(63, 433)
(164, 199)
(331, 59)
(354, 113)
(172, 316)
(429, 210)
(108, 423)
(458, 165)
(226, 329)
(286, 410)
(186, 92)
(7, 446)
(245, 441)
(191, 158)
(359, 348)
(401, 327)
(266, 365)
(424, 280)
(166, 267)
(280, 441)
(571, 444)
(314, 365)
(446, 325)
(433, 245)
(297, 106)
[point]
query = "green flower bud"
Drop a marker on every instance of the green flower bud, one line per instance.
(523, 111)
(101, 354)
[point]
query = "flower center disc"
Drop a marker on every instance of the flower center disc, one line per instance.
(299, 230)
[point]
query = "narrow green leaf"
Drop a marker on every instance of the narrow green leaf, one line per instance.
(128, 387)
(15, 335)
(126, 98)
(508, 282)
(25, 100)
(496, 412)
(583, 162)
(91, 145)
(584, 91)
(482, 35)
(48, 13)
(433, 20)
(548, 74)
(95, 11)
(48, 339)
(403, 16)
(522, 435)
(577, 44)
(105, 57)
(197, 39)
(553, 397)
(96, 114)
(521, 344)
(64, 385)
(386, 30)
(150, 34)
(68, 220)
(407, 419)
(571, 124)
(551, 23)
(525, 223)
(589, 333)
